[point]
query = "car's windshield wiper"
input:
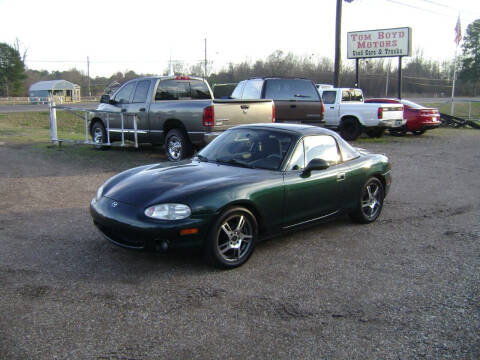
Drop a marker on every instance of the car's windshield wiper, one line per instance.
(234, 163)
(201, 158)
(301, 96)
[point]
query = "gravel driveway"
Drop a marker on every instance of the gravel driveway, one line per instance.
(404, 287)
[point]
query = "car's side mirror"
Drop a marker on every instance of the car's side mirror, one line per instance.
(316, 164)
(105, 99)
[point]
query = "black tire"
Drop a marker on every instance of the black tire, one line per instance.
(231, 240)
(418, 132)
(398, 131)
(370, 203)
(375, 132)
(177, 145)
(99, 135)
(350, 129)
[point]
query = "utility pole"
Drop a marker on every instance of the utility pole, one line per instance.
(338, 34)
(205, 58)
(88, 74)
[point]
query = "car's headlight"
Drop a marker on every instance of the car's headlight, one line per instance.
(168, 211)
(99, 193)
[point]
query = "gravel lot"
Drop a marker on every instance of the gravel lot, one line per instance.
(404, 287)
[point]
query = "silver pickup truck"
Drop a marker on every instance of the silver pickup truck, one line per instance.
(177, 111)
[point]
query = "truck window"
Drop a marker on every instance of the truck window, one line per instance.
(124, 94)
(237, 92)
(253, 89)
(173, 90)
(291, 89)
(199, 90)
(357, 95)
(346, 95)
(329, 97)
(141, 91)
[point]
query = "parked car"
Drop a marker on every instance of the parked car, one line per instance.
(419, 118)
(346, 112)
(250, 183)
(296, 99)
(178, 111)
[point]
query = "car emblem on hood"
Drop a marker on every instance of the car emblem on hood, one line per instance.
(114, 204)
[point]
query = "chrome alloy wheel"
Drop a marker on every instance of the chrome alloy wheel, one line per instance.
(372, 200)
(235, 237)
(175, 148)
(98, 135)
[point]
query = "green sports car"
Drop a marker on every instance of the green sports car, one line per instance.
(250, 183)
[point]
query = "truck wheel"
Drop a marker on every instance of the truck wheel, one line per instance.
(177, 145)
(350, 129)
(99, 135)
(375, 132)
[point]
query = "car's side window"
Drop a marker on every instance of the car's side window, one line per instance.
(329, 97)
(321, 147)
(253, 89)
(141, 91)
(124, 94)
(237, 92)
(297, 161)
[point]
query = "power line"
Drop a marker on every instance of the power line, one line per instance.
(420, 8)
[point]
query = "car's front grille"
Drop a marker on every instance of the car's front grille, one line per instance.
(122, 238)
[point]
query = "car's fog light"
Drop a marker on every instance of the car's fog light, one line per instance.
(168, 211)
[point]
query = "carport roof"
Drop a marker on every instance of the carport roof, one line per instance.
(53, 84)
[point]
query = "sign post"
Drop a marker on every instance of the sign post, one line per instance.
(378, 44)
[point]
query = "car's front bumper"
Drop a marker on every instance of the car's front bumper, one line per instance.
(126, 225)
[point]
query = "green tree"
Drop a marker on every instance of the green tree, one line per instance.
(12, 71)
(470, 71)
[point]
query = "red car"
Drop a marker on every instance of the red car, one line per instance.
(419, 118)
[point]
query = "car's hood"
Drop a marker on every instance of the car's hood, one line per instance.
(169, 183)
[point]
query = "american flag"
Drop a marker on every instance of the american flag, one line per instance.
(458, 31)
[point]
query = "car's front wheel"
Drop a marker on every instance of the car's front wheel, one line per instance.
(231, 239)
(418, 132)
(99, 135)
(371, 202)
(350, 129)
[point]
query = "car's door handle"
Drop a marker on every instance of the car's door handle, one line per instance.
(244, 107)
(293, 106)
(332, 107)
(341, 177)
(141, 109)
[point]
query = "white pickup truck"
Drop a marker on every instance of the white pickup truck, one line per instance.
(346, 112)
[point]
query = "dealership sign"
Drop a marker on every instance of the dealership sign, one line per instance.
(379, 43)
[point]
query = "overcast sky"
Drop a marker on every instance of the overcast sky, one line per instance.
(143, 35)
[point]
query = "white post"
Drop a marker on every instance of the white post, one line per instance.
(452, 106)
(53, 123)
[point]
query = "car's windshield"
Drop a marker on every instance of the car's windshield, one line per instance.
(253, 148)
(412, 104)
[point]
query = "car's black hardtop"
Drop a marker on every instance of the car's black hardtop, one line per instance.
(299, 129)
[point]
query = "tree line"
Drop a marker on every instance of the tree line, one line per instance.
(377, 77)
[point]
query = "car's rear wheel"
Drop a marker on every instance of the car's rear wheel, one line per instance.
(350, 129)
(371, 202)
(232, 238)
(398, 131)
(177, 145)
(375, 132)
(418, 132)
(99, 135)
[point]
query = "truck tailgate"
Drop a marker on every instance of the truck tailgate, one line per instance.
(392, 112)
(229, 113)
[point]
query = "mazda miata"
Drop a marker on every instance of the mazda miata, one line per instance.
(250, 183)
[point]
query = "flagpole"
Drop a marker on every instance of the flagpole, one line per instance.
(452, 106)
